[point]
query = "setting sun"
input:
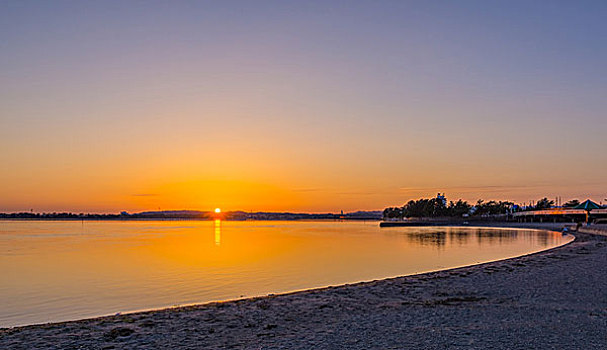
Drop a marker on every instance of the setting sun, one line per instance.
(393, 174)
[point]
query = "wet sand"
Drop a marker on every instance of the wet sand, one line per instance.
(553, 299)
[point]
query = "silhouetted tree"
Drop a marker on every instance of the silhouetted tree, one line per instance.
(435, 207)
(393, 213)
(544, 203)
(572, 203)
(492, 207)
(459, 208)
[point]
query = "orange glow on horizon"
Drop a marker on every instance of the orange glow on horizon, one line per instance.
(244, 119)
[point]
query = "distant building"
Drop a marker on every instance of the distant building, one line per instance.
(441, 198)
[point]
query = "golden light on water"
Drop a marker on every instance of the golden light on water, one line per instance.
(217, 230)
(204, 260)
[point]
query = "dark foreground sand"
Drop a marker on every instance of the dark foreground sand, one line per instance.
(551, 300)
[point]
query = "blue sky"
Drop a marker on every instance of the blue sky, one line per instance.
(332, 104)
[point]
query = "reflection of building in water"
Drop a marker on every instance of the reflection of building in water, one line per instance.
(435, 238)
(440, 237)
(458, 236)
(217, 232)
(496, 236)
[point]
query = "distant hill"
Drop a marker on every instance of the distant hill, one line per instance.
(170, 214)
(359, 215)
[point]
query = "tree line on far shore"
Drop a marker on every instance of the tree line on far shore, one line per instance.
(437, 207)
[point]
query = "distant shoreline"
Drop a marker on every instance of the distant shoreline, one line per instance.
(186, 219)
(195, 215)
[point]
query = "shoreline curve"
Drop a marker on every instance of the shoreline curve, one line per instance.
(546, 298)
(178, 307)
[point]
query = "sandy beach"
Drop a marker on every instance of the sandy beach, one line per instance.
(553, 299)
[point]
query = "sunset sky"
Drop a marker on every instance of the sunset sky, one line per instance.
(308, 106)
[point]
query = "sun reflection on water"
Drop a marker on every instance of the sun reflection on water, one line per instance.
(217, 231)
(52, 268)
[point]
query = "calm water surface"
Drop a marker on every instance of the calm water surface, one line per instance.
(55, 271)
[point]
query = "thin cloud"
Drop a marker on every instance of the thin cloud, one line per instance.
(307, 190)
(357, 193)
(487, 188)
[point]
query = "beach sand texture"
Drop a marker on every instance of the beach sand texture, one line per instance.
(555, 299)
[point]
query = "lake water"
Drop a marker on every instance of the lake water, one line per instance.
(65, 270)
